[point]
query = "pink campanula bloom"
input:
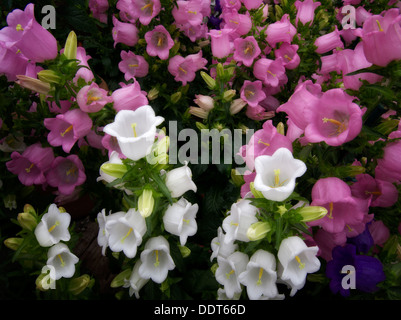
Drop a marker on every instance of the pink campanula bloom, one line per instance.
(389, 167)
(194, 33)
(381, 37)
(230, 4)
(258, 113)
(28, 36)
(327, 241)
(99, 9)
(252, 93)
(379, 193)
(280, 31)
(252, 4)
(129, 97)
(329, 41)
(126, 33)
(240, 24)
(288, 54)
(110, 143)
(66, 173)
(12, 62)
(159, 42)
(67, 128)
(264, 142)
(31, 165)
(146, 10)
(183, 69)
(271, 72)
(342, 208)
(305, 11)
(85, 72)
(333, 118)
(92, 98)
(132, 65)
(220, 42)
(379, 232)
(246, 50)
(188, 12)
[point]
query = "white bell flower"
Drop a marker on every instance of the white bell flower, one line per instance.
(156, 260)
(135, 282)
(125, 233)
(260, 276)
(179, 219)
(62, 260)
(221, 248)
(276, 174)
(297, 260)
(179, 181)
(135, 131)
(242, 216)
(103, 234)
(53, 227)
(228, 271)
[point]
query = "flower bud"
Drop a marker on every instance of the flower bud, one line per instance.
(228, 95)
(200, 126)
(258, 230)
(198, 112)
(70, 48)
(120, 279)
(205, 102)
(33, 84)
(349, 171)
(175, 97)
(220, 71)
(13, 243)
(237, 105)
(185, 251)
(312, 213)
(48, 76)
(153, 94)
(280, 128)
(77, 285)
(114, 169)
(30, 209)
(211, 83)
(146, 203)
(256, 193)
(27, 221)
(237, 179)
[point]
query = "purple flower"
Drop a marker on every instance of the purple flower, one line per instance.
(246, 50)
(92, 98)
(159, 42)
(132, 65)
(66, 173)
(363, 242)
(126, 33)
(368, 270)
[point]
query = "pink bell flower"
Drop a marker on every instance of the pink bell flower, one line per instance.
(329, 41)
(252, 93)
(146, 10)
(12, 62)
(271, 72)
(132, 65)
(31, 165)
(342, 209)
(334, 119)
(126, 33)
(246, 50)
(92, 98)
(67, 128)
(288, 54)
(27, 35)
(220, 42)
(258, 113)
(379, 232)
(381, 38)
(188, 12)
(389, 168)
(252, 4)
(305, 11)
(159, 42)
(129, 97)
(230, 4)
(280, 31)
(184, 69)
(240, 24)
(327, 241)
(66, 174)
(83, 73)
(99, 9)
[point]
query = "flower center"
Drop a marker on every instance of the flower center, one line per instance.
(228, 274)
(146, 6)
(331, 206)
(249, 93)
(61, 260)
(378, 24)
(133, 126)
(133, 65)
(156, 264)
(57, 223)
(301, 265)
(340, 126)
(259, 282)
(193, 12)
(287, 57)
(265, 143)
(249, 48)
(19, 27)
(277, 182)
(28, 170)
(233, 21)
(186, 221)
(72, 170)
(373, 193)
(273, 74)
(66, 131)
(183, 70)
(126, 236)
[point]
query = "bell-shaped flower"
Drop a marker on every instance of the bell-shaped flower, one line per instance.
(126, 232)
(129, 97)
(276, 174)
(159, 42)
(126, 33)
(83, 73)
(92, 98)
(179, 181)
(13, 62)
(188, 12)
(252, 4)
(220, 42)
(220, 247)
(67, 128)
(62, 260)
(271, 72)
(239, 24)
(241, 216)
(329, 41)
(135, 131)
(260, 276)
(184, 69)
(288, 54)
(280, 31)
(135, 282)
(132, 65)
(179, 219)
(156, 260)
(297, 260)
(53, 227)
(305, 11)
(145, 10)
(246, 50)
(103, 234)
(229, 270)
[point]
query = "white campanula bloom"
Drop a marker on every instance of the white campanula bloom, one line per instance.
(179, 181)
(260, 276)
(276, 174)
(125, 233)
(53, 227)
(228, 271)
(135, 282)
(179, 219)
(62, 260)
(297, 260)
(156, 260)
(242, 216)
(221, 248)
(103, 234)
(135, 131)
